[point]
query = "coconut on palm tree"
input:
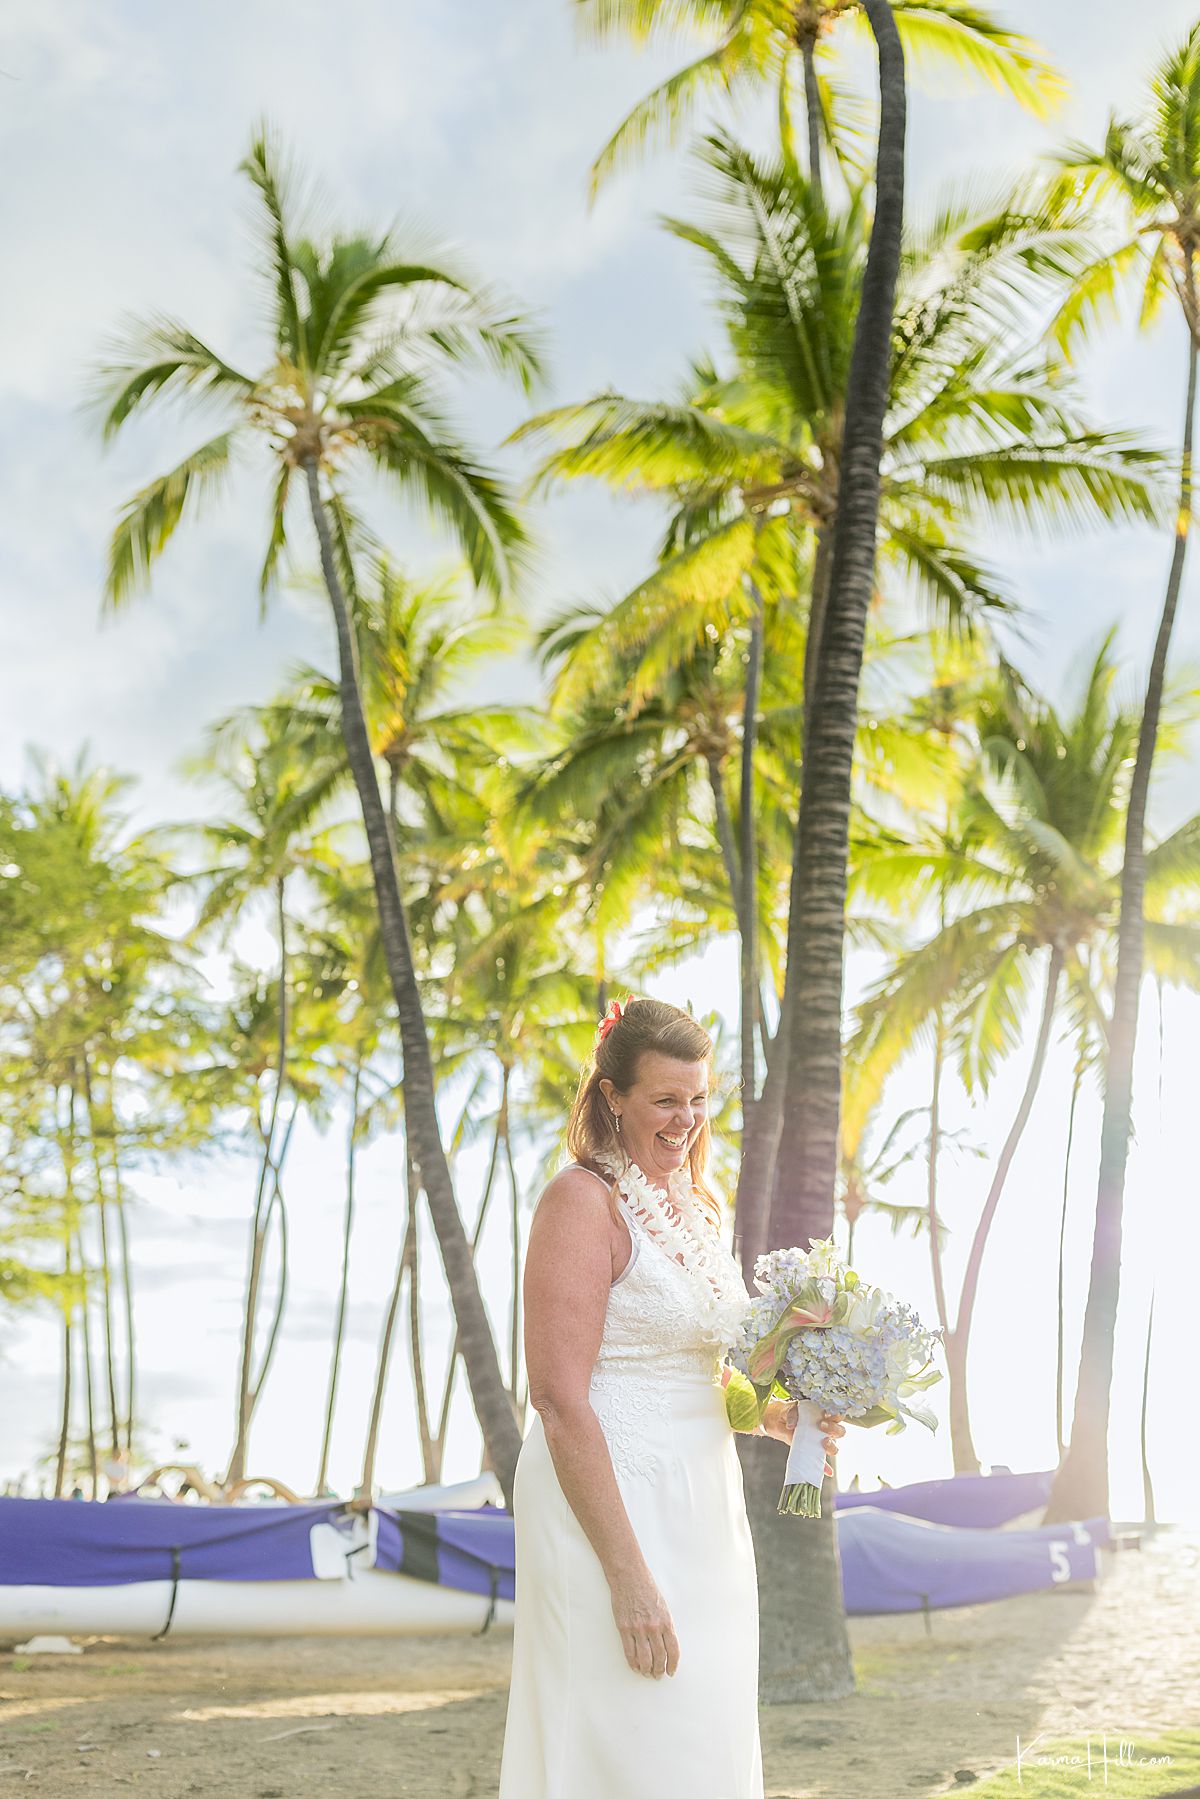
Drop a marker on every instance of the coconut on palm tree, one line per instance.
(361, 332)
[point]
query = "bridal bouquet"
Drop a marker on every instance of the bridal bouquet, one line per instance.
(819, 1335)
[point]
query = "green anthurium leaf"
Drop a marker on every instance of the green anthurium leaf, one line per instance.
(878, 1414)
(744, 1405)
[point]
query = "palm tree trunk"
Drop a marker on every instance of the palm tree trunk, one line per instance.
(808, 1146)
(759, 1150)
(106, 1282)
(935, 1143)
(110, 1362)
(492, 1406)
(1080, 1487)
(64, 1430)
(818, 606)
(339, 1329)
(126, 1271)
(748, 858)
(433, 1448)
(476, 1239)
(805, 1652)
(725, 833)
(957, 1341)
(367, 1483)
(259, 1221)
(758, 1176)
(1147, 1482)
(276, 1209)
(812, 115)
(514, 1346)
(127, 1297)
(741, 888)
(89, 1384)
(1060, 1358)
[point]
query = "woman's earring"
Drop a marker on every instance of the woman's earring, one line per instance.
(617, 1116)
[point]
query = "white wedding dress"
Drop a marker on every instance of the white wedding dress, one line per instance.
(581, 1723)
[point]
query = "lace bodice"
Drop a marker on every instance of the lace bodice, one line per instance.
(650, 1339)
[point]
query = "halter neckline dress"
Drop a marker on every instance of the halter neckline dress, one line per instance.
(581, 1724)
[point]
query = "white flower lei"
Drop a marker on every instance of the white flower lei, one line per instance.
(722, 1300)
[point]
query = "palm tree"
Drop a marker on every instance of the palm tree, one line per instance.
(90, 989)
(753, 461)
(641, 777)
(1151, 170)
(268, 840)
(508, 1002)
(348, 932)
(418, 641)
(749, 456)
(1026, 880)
(817, 1658)
(760, 43)
(359, 331)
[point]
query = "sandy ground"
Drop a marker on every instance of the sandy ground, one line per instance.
(385, 1718)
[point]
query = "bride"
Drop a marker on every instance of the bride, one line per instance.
(635, 1642)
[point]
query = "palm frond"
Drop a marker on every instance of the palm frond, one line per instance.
(266, 167)
(465, 495)
(147, 522)
(660, 118)
(973, 41)
(636, 445)
(155, 359)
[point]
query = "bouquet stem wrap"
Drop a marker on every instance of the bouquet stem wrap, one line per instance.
(805, 1469)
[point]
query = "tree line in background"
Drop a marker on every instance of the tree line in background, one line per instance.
(799, 727)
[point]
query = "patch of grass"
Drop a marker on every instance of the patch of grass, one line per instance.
(110, 1668)
(21, 1664)
(1139, 1767)
(879, 1668)
(872, 1666)
(36, 1729)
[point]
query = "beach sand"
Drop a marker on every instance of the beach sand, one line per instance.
(385, 1718)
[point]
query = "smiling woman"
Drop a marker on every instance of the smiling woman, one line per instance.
(646, 1096)
(634, 1558)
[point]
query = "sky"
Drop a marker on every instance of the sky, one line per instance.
(474, 126)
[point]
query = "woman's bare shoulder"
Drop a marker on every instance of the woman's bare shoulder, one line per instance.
(572, 1187)
(573, 1211)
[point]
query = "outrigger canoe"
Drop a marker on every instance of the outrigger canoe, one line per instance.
(153, 1567)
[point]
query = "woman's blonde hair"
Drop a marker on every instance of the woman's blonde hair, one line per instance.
(644, 1026)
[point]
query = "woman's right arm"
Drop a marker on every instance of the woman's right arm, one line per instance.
(568, 1271)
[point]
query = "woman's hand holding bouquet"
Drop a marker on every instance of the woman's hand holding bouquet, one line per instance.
(819, 1336)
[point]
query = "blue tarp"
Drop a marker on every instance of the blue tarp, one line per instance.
(74, 1543)
(473, 1551)
(890, 1563)
(895, 1564)
(976, 1500)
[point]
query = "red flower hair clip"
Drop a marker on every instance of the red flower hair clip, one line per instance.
(615, 1010)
